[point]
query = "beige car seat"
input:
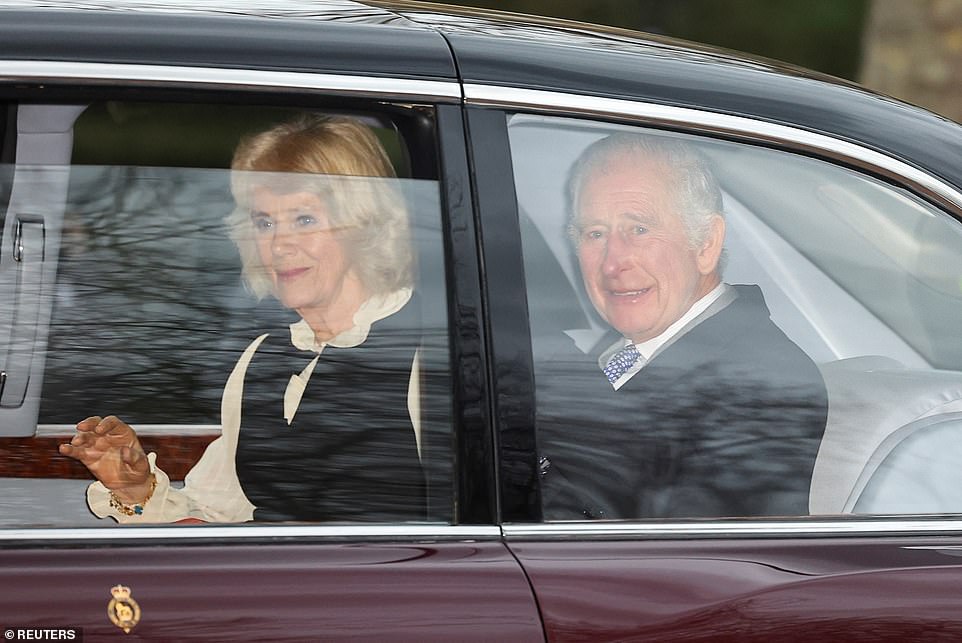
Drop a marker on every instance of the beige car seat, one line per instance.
(893, 442)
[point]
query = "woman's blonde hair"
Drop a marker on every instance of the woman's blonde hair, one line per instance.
(380, 248)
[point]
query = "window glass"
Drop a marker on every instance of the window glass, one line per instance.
(723, 330)
(274, 331)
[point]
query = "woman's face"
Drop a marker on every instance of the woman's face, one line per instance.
(302, 253)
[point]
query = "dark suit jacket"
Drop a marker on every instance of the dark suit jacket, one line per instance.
(725, 421)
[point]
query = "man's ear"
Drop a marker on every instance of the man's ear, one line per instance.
(710, 251)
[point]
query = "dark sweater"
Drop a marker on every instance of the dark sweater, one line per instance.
(350, 454)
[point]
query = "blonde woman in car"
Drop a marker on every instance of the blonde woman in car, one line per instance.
(319, 415)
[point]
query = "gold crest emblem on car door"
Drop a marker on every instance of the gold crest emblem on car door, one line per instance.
(123, 610)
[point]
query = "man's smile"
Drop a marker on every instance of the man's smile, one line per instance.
(620, 293)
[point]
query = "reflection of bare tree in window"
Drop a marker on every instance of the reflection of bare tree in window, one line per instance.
(150, 282)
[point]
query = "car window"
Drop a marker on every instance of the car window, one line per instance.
(810, 366)
(128, 293)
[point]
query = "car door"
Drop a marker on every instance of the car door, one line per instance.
(859, 272)
(122, 295)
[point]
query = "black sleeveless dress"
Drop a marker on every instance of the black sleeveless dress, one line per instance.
(350, 453)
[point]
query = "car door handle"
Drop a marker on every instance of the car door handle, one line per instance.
(29, 235)
(29, 241)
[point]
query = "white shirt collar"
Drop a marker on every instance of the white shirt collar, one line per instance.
(650, 347)
(374, 309)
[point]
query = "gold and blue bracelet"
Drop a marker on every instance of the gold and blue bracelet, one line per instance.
(137, 509)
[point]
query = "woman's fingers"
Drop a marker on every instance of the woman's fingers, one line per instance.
(95, 436)
(112, 426)
(80, 452)
(109, 448)
(104, 433)
(83, 439)
(78, 445)
(89, 424)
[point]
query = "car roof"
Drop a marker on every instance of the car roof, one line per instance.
(495, 48)
(412, 39)
(293, 35)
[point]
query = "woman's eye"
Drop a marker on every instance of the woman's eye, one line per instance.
(306, 220)
(262, 224)
(638, 229)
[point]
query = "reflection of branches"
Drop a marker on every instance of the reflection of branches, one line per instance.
(147, 295)
(163, 222)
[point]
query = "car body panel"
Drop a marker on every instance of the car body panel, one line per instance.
(858, 589)
(292, 591)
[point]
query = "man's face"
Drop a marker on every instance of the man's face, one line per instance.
(639, 268)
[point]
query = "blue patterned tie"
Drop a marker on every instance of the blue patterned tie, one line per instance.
(619, 364)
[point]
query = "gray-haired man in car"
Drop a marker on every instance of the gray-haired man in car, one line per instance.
(697, 405)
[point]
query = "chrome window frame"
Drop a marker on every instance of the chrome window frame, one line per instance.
(741, 128)
(712, 529)
(748, 130)
(225, 533)
(707, 529)
(130, 75)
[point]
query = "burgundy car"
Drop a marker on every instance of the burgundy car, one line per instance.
(121, 294)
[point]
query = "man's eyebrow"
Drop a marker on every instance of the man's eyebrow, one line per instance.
(641, 216)
(581, 223)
